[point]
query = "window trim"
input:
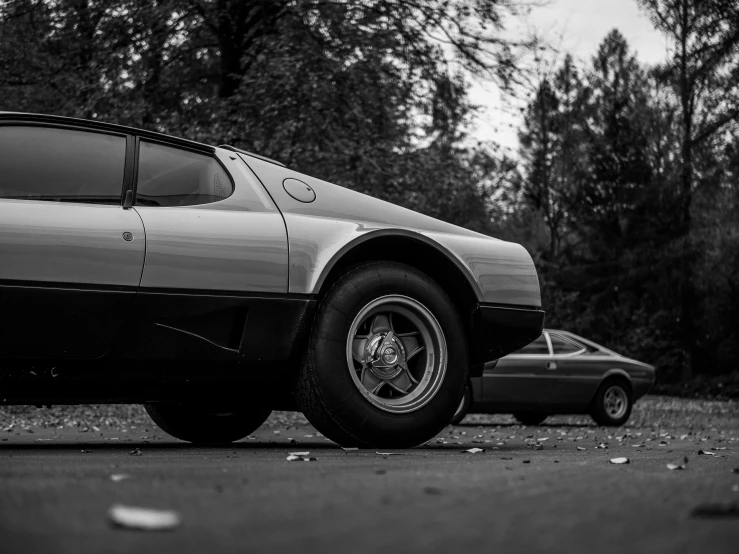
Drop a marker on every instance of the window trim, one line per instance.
(568, 340)
(72, 127)
(135, 171)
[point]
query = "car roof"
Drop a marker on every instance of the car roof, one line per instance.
(94, 124)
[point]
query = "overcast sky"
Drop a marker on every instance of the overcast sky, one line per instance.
(577, 27)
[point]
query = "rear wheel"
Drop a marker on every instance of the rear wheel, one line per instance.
(612, 403)
(386, 364)
(207, 424)
(530, 418)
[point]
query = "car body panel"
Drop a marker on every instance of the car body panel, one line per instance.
(555, 383)
(64, 242)
(498, 271)
(68, 275)
(214, 250)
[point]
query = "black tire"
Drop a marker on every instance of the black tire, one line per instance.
(330, 393)
(612, 403)
(530, 418)
(198, 424)
(464, 406)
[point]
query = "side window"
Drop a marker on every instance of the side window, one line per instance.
(561, 345)
(61, 165)
(538, 347)
(173, 177)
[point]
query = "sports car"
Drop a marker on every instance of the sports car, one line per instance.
(214, 285)
(559, 373)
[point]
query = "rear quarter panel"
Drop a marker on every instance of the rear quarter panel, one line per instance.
(320, 232)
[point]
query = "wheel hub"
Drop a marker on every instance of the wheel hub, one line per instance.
(384, 355)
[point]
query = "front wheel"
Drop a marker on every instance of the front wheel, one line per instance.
(204, 424)
(386, 363)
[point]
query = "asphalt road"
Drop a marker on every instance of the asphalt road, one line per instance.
(562, 495)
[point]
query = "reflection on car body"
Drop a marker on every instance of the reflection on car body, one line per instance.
(559, 373)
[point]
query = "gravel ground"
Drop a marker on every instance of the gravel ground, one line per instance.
(653, 413)
(532, 489)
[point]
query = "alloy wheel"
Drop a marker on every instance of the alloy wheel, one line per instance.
(396, 353)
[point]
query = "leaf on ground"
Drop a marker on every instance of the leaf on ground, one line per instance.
(349, 448)
(299, 453)
(118, 477)
(619, 461)
(389, 453)
(706, 453)
(294, 458)
(675, 466)
(474, 450)
(581, 448)
(143, 519)
(717, 509)
(135, 452)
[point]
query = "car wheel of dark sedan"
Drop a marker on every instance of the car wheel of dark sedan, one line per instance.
(530, 418)
(464, 406)
(612, 403)
(196, 423)
(386, 364)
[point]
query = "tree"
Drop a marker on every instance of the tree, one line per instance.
(703, 69)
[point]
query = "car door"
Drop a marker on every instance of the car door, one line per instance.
(521, 378)
(70, 256)
(216, 256)
(576, 376)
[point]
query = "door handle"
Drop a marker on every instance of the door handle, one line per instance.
(551, 365)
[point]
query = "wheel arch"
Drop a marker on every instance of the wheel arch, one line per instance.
(612, 374)
(415, 250)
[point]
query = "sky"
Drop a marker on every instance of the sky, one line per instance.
(574, 26)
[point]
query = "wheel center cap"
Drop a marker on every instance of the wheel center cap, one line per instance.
(390, 355)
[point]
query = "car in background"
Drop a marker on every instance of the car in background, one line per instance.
(559, 373)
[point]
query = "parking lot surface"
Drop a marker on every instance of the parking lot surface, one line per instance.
(531, 489)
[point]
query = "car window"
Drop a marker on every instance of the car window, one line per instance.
(560, 345)
(172, 177)
(61, 165)
(538, 347)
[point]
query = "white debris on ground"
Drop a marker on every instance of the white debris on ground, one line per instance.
(143, 519)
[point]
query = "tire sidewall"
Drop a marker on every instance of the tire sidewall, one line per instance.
(464, 407)
(340, 394)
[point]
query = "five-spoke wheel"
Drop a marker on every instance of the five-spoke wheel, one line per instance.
(612, 403)
(397, 353)
(387, 360)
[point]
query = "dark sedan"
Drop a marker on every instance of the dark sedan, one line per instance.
(559, 373)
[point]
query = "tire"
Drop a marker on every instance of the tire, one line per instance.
(357, 397)
(612, 403)
(464, 406)
(198, 424)
(530, 418)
